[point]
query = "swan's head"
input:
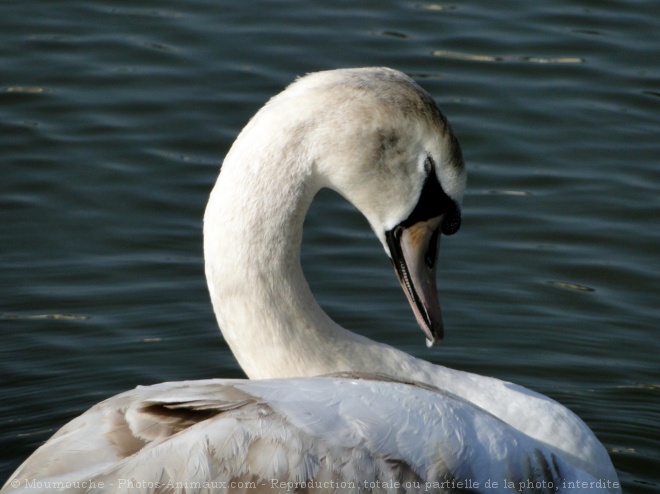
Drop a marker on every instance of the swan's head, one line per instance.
(381, 141)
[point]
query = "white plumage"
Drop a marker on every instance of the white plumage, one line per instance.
(388, 422)
(352, 431)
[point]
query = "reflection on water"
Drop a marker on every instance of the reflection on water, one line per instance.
(114, 122)
(508, 58)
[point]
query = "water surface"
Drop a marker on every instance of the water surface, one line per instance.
(115, 117)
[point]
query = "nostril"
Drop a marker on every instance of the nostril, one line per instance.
(432, 250)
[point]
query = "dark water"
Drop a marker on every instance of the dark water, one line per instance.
(115, 116)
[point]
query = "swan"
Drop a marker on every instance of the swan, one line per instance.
(326, 409)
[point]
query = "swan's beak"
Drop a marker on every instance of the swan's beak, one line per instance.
(414, 252)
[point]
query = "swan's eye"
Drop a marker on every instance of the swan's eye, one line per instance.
(433, 202)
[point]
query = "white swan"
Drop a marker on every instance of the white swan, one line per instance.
(388, 422)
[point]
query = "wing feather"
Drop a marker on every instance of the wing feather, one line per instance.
(326, 434)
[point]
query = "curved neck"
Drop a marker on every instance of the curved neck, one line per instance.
(252, 239)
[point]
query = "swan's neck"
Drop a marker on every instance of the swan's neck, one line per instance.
(252, 239)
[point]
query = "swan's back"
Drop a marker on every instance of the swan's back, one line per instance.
(332, 434)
